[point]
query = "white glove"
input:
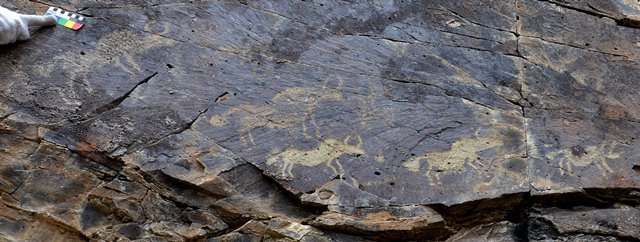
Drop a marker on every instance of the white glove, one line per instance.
(15, 27)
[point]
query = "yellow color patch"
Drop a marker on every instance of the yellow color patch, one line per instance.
(69, 24)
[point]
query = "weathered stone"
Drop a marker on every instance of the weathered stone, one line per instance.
(310, 120)
(621, 222)
(281, 230)
(503, 231)
(19, 225)
(385, 222)
(581, 128)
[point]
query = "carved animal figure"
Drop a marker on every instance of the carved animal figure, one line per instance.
(327, 151)
(578, 156)
(293, 107)
(462, 153)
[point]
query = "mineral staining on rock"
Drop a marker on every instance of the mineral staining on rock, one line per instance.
(323, 120)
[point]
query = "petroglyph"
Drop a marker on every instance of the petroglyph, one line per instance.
(291, 108)
(369, 112)
(579, 156)
(327, 151)
(463, 152)
(310, 97)
(121, 49)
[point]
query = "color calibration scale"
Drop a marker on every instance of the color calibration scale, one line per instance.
(67, 19)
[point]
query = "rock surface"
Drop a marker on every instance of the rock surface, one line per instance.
(323, 121)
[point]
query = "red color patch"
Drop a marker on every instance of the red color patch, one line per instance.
(77, 26)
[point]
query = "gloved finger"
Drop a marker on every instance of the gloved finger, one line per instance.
(23, 34)
(38, 21)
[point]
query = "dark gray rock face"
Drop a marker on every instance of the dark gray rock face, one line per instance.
(323, 121)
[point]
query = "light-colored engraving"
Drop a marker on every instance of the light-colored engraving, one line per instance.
(370, 111)
(578, 156)
(121, 48)
(327, 151)
(292, 108)
(463, 153)
(310, 97)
